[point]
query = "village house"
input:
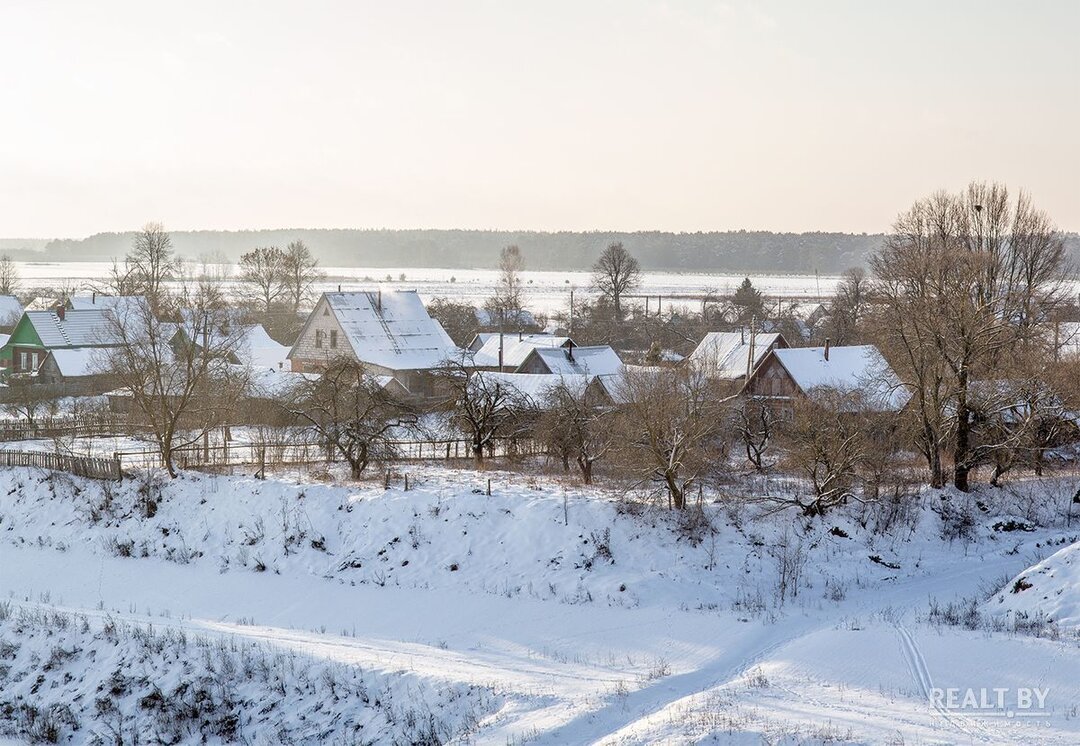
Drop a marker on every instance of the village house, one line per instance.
(792, 372)
(390, 332)
(595, 360)
(732, 356)
(40, 332)
(507, 352)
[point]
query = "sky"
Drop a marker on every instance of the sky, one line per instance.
(588, 115)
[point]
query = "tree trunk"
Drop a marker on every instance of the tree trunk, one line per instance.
(962, 449)
(586, 470)
(678, 499)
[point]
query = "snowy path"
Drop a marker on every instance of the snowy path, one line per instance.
(576, 674)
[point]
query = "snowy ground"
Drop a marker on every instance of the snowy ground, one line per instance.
(544, 613)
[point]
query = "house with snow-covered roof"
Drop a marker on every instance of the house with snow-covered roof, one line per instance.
(40, 332)
(595, 360)
(791, 372)
(390, 332)
(731, 356)
(508, 351)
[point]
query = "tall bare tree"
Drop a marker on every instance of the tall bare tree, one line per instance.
(152, 263)
(507, 302)
(616, 273)
(967, 282)
(302, 273)
(263, 278)
(849, 307)
(181, 387)
(9, 276)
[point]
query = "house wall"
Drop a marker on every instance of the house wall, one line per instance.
(772, 380)
(534, 364)
(307, 357)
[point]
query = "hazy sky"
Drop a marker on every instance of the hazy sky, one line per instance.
(618, 114)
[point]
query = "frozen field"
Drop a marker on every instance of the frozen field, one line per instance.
(546, 613)
(546, 291)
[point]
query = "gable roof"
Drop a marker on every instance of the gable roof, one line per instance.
(724, 355)
(515, 349)
(596, 360)
(122, 303)
(848, 369)
(77, 328)
(536, 387)
(391, 329)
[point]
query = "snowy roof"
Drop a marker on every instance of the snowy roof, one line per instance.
(848, 369)
(597, 361)
(76, 362)
(724, 355)
(10, 307)
(515, 349)
(76, 329)
(392, 329)
(101, 302)
(614, 384)
(265, 383)
(536, 386)
(258, 349)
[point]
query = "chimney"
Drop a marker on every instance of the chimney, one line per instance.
(339, 287)
(380, 300)
(93, 298)
(60, 311)
(570, 352)
(828, 343)
(520, 335)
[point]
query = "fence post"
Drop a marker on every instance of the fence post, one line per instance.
(406, 481)
(489, 487)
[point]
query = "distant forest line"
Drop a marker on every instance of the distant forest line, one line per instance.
(728, 251)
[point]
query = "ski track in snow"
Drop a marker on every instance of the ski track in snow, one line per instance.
(548, 657)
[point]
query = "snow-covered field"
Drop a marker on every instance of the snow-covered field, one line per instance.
(545, 292)
(294, 611)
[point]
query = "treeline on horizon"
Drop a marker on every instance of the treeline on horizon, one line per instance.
(727, 251)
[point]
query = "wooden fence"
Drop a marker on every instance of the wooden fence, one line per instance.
(82, 466)
(56, 427)
(309, 452)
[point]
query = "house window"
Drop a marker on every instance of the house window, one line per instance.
(24, 360)
(333, 339)
(318, 339)
(34, 361)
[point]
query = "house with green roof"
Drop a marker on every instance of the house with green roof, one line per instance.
(40, 332)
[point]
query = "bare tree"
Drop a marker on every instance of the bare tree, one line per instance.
(670, 430)
(151, 263)
(968, 282)
(182, 387)
(263, 278)
(849, 307)
(302, 273)
(356, 416)
(484, 408)
(9, 276)
(506, 303)
(824, 445)
(574, 429)
(616, 273)
(28, 400)
(756, 425)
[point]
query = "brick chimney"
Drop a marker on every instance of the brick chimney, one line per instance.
(60, 311)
